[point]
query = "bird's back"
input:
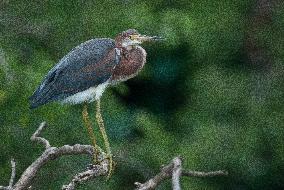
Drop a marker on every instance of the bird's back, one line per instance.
(85, 66)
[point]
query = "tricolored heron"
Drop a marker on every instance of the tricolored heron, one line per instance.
(84, 73)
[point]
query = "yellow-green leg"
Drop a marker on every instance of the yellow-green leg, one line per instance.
(105, 138)
(89, 127)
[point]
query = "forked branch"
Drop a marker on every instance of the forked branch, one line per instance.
(51, 153)
(174, 171)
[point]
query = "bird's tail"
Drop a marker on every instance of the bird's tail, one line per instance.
(40, 97)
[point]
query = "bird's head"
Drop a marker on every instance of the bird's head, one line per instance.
(131, 37)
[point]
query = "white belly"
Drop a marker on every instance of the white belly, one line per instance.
(89, 95)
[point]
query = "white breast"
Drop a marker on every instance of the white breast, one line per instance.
(89, 95)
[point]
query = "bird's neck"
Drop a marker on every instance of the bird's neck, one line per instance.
(127, 48)
(131, 62)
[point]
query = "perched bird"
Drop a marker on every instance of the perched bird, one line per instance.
(87, 70)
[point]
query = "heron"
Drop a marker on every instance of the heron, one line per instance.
(82, 76)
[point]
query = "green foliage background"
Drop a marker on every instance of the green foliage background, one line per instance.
(204, 93)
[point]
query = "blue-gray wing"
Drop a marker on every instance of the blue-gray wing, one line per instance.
(87, 65)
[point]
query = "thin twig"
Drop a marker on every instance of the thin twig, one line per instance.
(204, 174)
(13, 173)
(35, 136)
(12, 178)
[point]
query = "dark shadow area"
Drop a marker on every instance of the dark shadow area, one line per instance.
(163, 91)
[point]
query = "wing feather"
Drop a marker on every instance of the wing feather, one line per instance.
(87, 65)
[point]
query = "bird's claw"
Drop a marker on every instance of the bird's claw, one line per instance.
(111, 165)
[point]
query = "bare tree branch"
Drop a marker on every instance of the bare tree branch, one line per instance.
(13, 173)
(152, 183)
(174, 170)
(204, 174)
(35, 136)
(52, 153)
(176, 173)
(92, 172)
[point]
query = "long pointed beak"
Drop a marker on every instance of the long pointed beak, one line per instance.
(144, 38)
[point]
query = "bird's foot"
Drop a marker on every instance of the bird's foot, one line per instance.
(111, 165)
(98, 159)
